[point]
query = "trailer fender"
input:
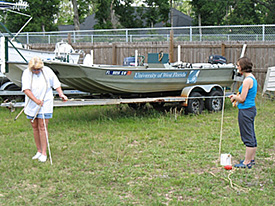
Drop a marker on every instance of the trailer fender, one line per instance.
(6, 85)
(203, 89)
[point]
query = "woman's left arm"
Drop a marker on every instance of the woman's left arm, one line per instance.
(61, 94)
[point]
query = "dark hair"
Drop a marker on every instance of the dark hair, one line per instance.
(245, 64)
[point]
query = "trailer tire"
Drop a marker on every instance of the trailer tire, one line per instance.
(214, 104)
(13, 87)
(195, 105)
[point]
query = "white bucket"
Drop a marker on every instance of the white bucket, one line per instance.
(225, 159)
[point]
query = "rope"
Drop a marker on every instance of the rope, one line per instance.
(48, 143)
(220, 144)
(232, 185)
(43, 97)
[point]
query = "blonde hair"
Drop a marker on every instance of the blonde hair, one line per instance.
(35, 63)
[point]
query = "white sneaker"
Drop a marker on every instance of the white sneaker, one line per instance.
(42, 158)
(36, 156)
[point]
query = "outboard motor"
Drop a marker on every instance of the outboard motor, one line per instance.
(129, 61)
(216, 59)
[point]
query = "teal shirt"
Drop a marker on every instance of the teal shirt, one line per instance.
(251, 95)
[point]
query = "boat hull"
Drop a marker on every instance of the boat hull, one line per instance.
(138, 80)
(16, 70)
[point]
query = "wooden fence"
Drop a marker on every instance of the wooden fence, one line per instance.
(262, 54)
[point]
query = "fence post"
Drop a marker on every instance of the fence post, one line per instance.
(28, 41)
(69, 38)
(74, 36)
(223, 49)
(126, 35)
(190, 33)
(114, 62)
(263, 32)
(171, 46)
(49, 39)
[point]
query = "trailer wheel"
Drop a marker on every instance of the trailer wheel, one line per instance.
(12, 87)
(214, 104)
(195, 105)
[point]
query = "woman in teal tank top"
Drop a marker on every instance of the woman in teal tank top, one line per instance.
(247, 111)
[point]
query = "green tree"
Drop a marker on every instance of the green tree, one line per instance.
(129, 16)
(267, 10)
(244, 12)
(76, 15)
(74, 11)
(235, 12)
(208, 12)
(43, 13)
(103, 14)
(183, 6)
(157, 11)
(65, 14)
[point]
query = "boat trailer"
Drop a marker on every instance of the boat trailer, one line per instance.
(192, 98)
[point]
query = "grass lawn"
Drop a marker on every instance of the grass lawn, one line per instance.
(114, 155)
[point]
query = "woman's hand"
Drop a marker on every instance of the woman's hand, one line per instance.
(39, 102)
(29, 93)
(61, 94)
(232, 97)
(64, 97)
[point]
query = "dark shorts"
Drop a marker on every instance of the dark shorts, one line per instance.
(40, 116)
(246, 119)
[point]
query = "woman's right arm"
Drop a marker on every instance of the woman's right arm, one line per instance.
(29, 93)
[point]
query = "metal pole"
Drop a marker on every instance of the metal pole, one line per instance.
(28, 40)
(126, 33)
(263, 32)
(3, 54)
(178, 53)
(7, 54)
(190, 34)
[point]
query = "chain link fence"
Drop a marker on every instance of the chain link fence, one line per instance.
(195, 33)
